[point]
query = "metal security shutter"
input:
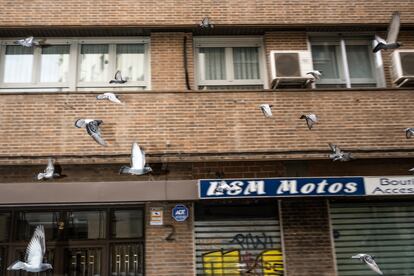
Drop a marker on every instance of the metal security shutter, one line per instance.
(385, 230)
(234, 247)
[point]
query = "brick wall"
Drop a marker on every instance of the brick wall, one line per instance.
(209, 124)
(167, 61)
(169, 258)
(180, 12)
(306, 235)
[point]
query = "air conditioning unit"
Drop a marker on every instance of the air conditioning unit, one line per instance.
(403, 67)
(290, 64)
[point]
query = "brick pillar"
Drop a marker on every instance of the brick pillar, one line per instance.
(169, 258)
(307, 241)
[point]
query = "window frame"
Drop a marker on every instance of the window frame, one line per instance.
(73, 83)
(341, 41)
(228, 43)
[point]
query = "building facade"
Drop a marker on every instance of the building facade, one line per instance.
(274, 204)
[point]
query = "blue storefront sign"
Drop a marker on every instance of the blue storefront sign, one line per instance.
(280, 187)
(180, 212)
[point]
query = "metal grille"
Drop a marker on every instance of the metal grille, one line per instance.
(237, 247)
(407, 63)
(287, 65)
(83, 262)
(127, 260)
(385, 230)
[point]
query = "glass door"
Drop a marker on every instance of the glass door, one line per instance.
(82, 261)
(127, 260)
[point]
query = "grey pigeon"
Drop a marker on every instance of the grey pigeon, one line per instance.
(50, 172)
(409, 132)
(266, 109)
(206, 24)
(92, 127)
(109, 96)
(28, 42)
(392, 35)
(338, 154)
(310, 118)
(138, 166)
(34, 254)
(118, 78)
(369, 260)
(315, 74)
(411, 170)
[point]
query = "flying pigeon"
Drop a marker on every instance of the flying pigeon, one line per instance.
(369, 260)
(310, 118)
(118, 78)
(338, 154)
(315, 74)
(411, 170)
(409, 132)
(110, 96)
(28, 42)
(205, 23)
(50, 172)
(34, 254)
(138, 166)
(92, 127)
(392, 34)
(266, 109)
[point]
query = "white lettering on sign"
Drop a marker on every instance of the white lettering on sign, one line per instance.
(236, 188)
(291, 187)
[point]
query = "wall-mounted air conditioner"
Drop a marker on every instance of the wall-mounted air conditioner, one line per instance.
(290, 63)
(403, 67)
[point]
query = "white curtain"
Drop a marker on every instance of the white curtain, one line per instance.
(246, 63)
(54, 65)
(130, 59)
(214, 63)
(325, 59)
(18, 64)
(359, 61)
(94, 65)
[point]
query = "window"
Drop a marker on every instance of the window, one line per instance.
(67, 65)
(230, 63)
(345, 62)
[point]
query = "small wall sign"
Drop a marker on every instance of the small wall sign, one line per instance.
(180, 212)
(156, 216)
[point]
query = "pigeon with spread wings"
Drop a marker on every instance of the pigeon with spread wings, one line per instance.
(138, 166)
(310, 118)
(109, 96)
(266, 109)
(34, 254)
(206, 24)
(51, 171)
(118, 78)
(92, 127)
(392, 35)
(338, 154)
(28, 42)
(369, 260)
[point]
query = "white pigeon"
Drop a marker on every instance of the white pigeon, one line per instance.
(266, 109)
(310, 118)
(109, 96)
(50, 172)
(34, 254)
(392, 35)
(409, 132)
(138, 166)
(338, 154)
(369, 260)
(411, 170)
(315, 74)
(118, 78)
(27, 42)
(205, 23)
(92, 127)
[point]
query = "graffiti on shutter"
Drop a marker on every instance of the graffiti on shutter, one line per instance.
(238, 248)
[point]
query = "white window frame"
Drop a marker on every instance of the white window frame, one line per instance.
(73, 83)
(229, 43)
(341, 41)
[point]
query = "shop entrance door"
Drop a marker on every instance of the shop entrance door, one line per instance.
(82, 261)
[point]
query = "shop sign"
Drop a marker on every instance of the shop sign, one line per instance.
(180, 212)
(281, 187)
(389, 185)
(156, 216)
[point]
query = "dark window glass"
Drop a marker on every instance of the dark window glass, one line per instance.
(85, 225)
(127, 223)
(4, 226)
(83, 261)
(127, 259)
(2, 260)
(27, 222)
